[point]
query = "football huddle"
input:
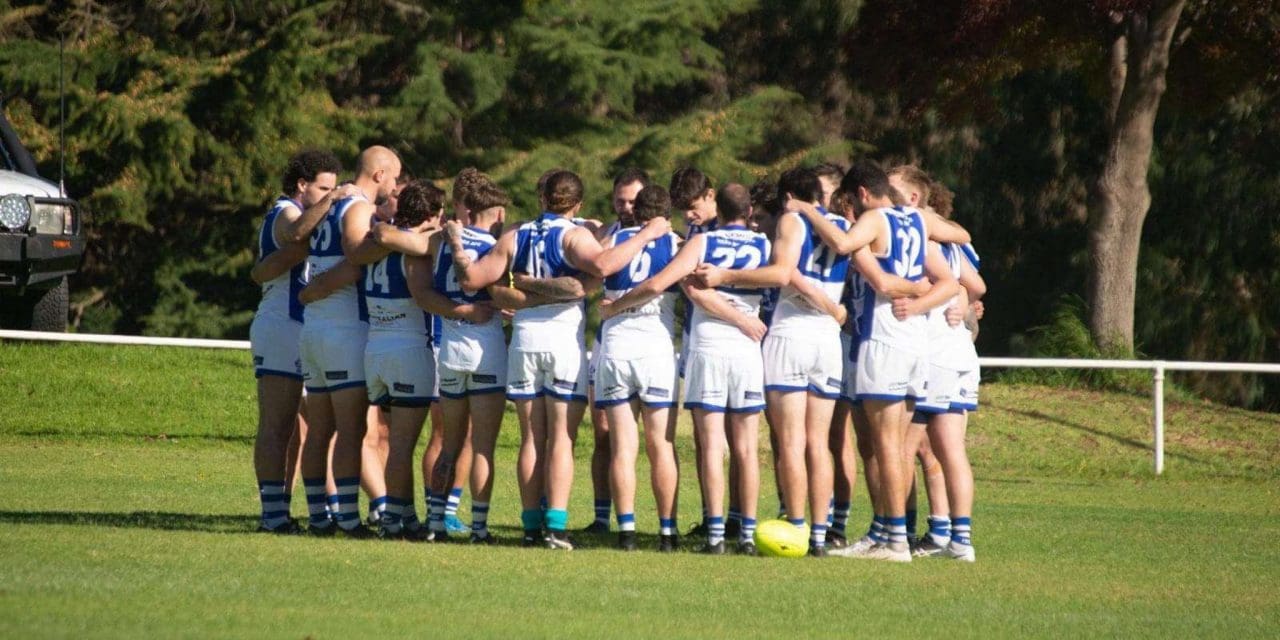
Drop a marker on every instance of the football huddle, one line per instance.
(841, 305)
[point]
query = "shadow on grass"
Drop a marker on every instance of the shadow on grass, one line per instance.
(148, 437)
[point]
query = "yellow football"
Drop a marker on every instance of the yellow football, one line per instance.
(781, 539)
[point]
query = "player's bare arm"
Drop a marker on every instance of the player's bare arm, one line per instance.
(357, 246)
(418, 278)
(585, 253)
(297, 226)
(887, 283)
(786, 253)
(410, 242)
(280, 262)
(490, 268)
(944, 230)
(562, 289)
(817, 298)
(325, 284)
(944, 286)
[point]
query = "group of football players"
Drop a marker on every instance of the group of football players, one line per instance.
(824, 300)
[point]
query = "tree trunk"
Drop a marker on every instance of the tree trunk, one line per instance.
(1120, 199)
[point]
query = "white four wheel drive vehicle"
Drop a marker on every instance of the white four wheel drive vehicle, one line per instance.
(41, 242)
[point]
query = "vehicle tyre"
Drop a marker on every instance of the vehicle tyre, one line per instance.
(49, 308)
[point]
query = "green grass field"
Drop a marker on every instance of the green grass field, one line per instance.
(127, 502)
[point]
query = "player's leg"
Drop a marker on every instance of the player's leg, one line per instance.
(278, 398)
(431, 457)
(350, 412)
(910, 446)
(787, 411)
(745, 427)
(733, 516)
(888, 432)
(935, 484)
(710, 426)
(947, 435)
(462, 471)
(293, 459)
(602, 461)
(870, 471)
(532, 416)
(315, 460)
(773, 454)
(454, 416)
(486, 421)
(374, 452)
(404, 427)
(664, 471)
(818, 463)
(844, 474)
(559, 437)
(624, 446)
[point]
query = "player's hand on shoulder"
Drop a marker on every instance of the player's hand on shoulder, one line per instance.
(344, 191)
(453, 229)
(657, 227)
(805, 208)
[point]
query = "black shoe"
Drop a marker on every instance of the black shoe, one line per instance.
(485, 539)
(322, 532)
(817, 552)
(716, 549)
(532, 538)
(596, 528)
(732, 529)
(836, 540)
(437, 536)
(386, 534)
(558, 540)
(668, 543)
(699, 529)
(627, 540)
(289, 528)
(359, 532)
(747, 548)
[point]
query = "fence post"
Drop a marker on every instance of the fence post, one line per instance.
(1157, 380)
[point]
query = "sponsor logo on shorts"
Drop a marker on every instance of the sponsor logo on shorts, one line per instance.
(401, 387)
(449, 381)
(833, 382)
(753, 395)
(565, 384)
(964, 393)
(520, 384)
(485, 378)
(257, 361)
(335, 375)
(658, 391)
(614, 390)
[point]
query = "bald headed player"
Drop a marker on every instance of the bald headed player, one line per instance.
(332, 344)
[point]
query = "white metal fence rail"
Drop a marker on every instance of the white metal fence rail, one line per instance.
(1157, 367)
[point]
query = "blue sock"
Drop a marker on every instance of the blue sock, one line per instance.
(911, 523)
(840, 517)
(531, 519)
(667, 526)
(392, 517)
(557, 520)
(479, 518)
(796, 522)
(331, 503)
(435, 514)
(275, 504)
(715, 529)
(879, 531)
(602, 510)
(348, 515)
(960, 531)
(317, 503)
(451, 503)
(409, 516)
(376, 507)
(748, 530)
(897, 529)
(626, 522)
(818, 536)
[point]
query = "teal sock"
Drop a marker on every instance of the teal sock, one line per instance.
(557, 519)
(531, 519)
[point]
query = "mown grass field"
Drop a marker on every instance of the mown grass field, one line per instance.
(127, 502)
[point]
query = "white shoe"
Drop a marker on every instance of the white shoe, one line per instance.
(888, 553)
(961, 552)
(927, 547)
(853, 549)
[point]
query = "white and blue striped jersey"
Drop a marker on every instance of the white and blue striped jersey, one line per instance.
(395, 319)
(646, 329)
(539, 252)
(826, 269)
(729, 247)
(346, 306)
(476, 243)
(280, 294)
(951, 347)
(908, 240)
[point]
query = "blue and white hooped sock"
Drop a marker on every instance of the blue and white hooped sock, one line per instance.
(451, 504)
(331, 504)
(940, 529)
(818, 536)
(715, 529)
(897, 529)
(797, 522)
(317, 502)
(961, 530)
(479, 518)
(748, 531)
(376, 508)
(627, 522)
(392, 519)
(409, 517)
(878, 532)
(840, 518)
(435, 514)
(275, 504)
(603, 507)
(348, 515)
(667, 526)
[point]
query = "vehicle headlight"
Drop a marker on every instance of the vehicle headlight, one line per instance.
(14, 212)
(51, 218)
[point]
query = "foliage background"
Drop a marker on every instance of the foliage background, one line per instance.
(181, 114)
